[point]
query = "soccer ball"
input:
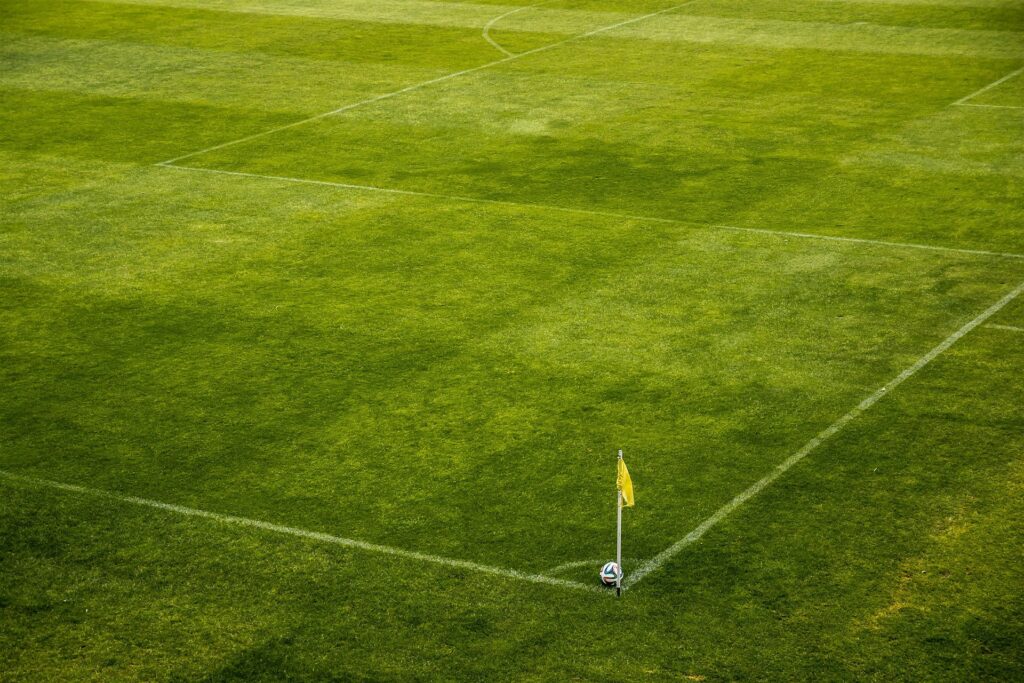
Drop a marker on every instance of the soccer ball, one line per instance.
(611, 573)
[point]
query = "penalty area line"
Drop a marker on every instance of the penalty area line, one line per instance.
(592, 212)
(300, 533)
(664, 556)
(989, 106)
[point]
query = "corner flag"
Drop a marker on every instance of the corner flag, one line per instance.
(624, 483)
(625, 499)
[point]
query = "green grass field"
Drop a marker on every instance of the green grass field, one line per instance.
(321, 322)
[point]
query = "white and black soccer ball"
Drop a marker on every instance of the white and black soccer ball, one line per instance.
(611, 574)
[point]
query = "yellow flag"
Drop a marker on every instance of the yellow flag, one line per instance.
(625, 484)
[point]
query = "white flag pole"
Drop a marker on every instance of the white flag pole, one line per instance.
(618, 535)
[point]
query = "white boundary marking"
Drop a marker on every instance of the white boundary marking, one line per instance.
(490, 24)
(432, 81)
(301, 533)
(583, 563)
(592, 212)
(964, 100)
(573, 565)
(664, 556)
(1005, 328)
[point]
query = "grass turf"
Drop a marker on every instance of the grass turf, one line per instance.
(451, 374)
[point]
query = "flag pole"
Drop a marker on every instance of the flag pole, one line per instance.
(618, 537)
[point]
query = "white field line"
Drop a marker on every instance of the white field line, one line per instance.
(432, 81)
(301, 533)
(577, 563)
(490, 24)
(596, 564)
(592, 212)
(664, 556)
(1005, 328)
(964, 100)
(989, 106)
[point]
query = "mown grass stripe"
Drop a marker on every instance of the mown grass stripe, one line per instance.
(176, 74)
(851, 38)
(462, 14)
